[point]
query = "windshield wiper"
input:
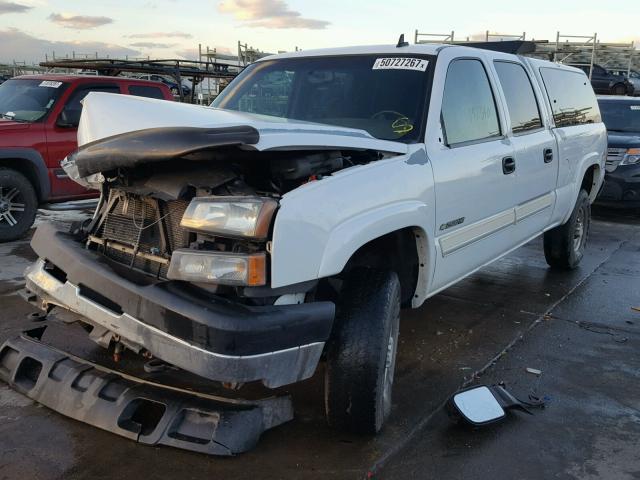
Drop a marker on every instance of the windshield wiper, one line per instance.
(9, 117)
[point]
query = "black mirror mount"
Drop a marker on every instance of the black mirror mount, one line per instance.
(64, 121)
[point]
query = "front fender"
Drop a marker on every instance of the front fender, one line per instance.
(350, 235)
(321, 224)
(35, 164)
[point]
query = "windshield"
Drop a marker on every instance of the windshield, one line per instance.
(621, 116)
(381, 94)
(28, 100)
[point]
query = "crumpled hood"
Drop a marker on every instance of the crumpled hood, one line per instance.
(106, 114)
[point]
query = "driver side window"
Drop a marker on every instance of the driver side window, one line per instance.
(70, 115)
(468, 106)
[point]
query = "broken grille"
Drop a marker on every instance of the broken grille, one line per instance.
(142, 232)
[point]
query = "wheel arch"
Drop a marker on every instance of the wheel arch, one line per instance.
(591, 181)
(31, 164)
(404, 251)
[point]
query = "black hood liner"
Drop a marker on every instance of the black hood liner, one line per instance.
(156, 145)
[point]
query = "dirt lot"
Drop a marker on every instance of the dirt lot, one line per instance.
(578, 328)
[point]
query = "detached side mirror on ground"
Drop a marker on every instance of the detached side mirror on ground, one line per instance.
(482, 405)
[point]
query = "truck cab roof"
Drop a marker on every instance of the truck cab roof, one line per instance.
(60, 77)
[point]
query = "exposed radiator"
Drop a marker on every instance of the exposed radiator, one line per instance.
(142, 232)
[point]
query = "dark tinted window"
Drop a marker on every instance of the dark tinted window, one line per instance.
(145, 91)
(383, 96)
(73, 108)
(521, 101)
(572, 99)
(468, 107)
(621, 116)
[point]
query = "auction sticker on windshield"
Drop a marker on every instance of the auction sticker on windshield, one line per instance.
(401, 63)
(50, 83)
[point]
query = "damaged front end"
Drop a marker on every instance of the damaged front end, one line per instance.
(175, 262)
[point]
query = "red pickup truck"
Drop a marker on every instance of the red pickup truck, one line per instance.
(39, 116)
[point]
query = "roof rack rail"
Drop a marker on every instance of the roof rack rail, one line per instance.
(518, 47)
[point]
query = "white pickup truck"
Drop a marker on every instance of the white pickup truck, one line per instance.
(322, 192)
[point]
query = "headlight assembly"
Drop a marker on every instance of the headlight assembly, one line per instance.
(632, 157)
(233, 216)
(218, 267)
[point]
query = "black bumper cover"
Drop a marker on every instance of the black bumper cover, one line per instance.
(621, 187)
(207, 321)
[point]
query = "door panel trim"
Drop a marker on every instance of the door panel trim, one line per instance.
(533, 206)
(465, 236)
(476, 231)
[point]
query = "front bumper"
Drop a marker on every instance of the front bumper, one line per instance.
(208, 336)
(621, 187)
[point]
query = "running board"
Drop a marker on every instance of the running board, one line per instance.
(147, 412)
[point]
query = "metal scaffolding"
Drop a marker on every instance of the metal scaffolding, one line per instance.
(177, 69)
(575, 49)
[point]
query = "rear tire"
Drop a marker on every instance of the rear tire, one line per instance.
(18, 205)
(564, 245)
(362, 352)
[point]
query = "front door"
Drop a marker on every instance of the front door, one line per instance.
(473, 170)
(62, 139)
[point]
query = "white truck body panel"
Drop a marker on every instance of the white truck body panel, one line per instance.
(464, 210)
(319, 226)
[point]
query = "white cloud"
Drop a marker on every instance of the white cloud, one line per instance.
(79, 22)
(152, 45)
(269, 14)
(161, 35)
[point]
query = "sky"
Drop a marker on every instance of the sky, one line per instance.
(29, 29)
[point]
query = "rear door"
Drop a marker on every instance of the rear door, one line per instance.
(471, 159)
(535, 148)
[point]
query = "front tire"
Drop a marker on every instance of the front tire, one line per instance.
(362, 352)
(18, 205)
(564, 245)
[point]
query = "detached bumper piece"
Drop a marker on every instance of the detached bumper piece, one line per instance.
(149, 413)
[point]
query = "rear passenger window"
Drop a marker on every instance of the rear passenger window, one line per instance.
(468, 106)
(572, 99)
(521, 101)
(146, 91)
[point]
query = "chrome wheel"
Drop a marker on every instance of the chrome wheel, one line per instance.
(579, 230)
(11, 205)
